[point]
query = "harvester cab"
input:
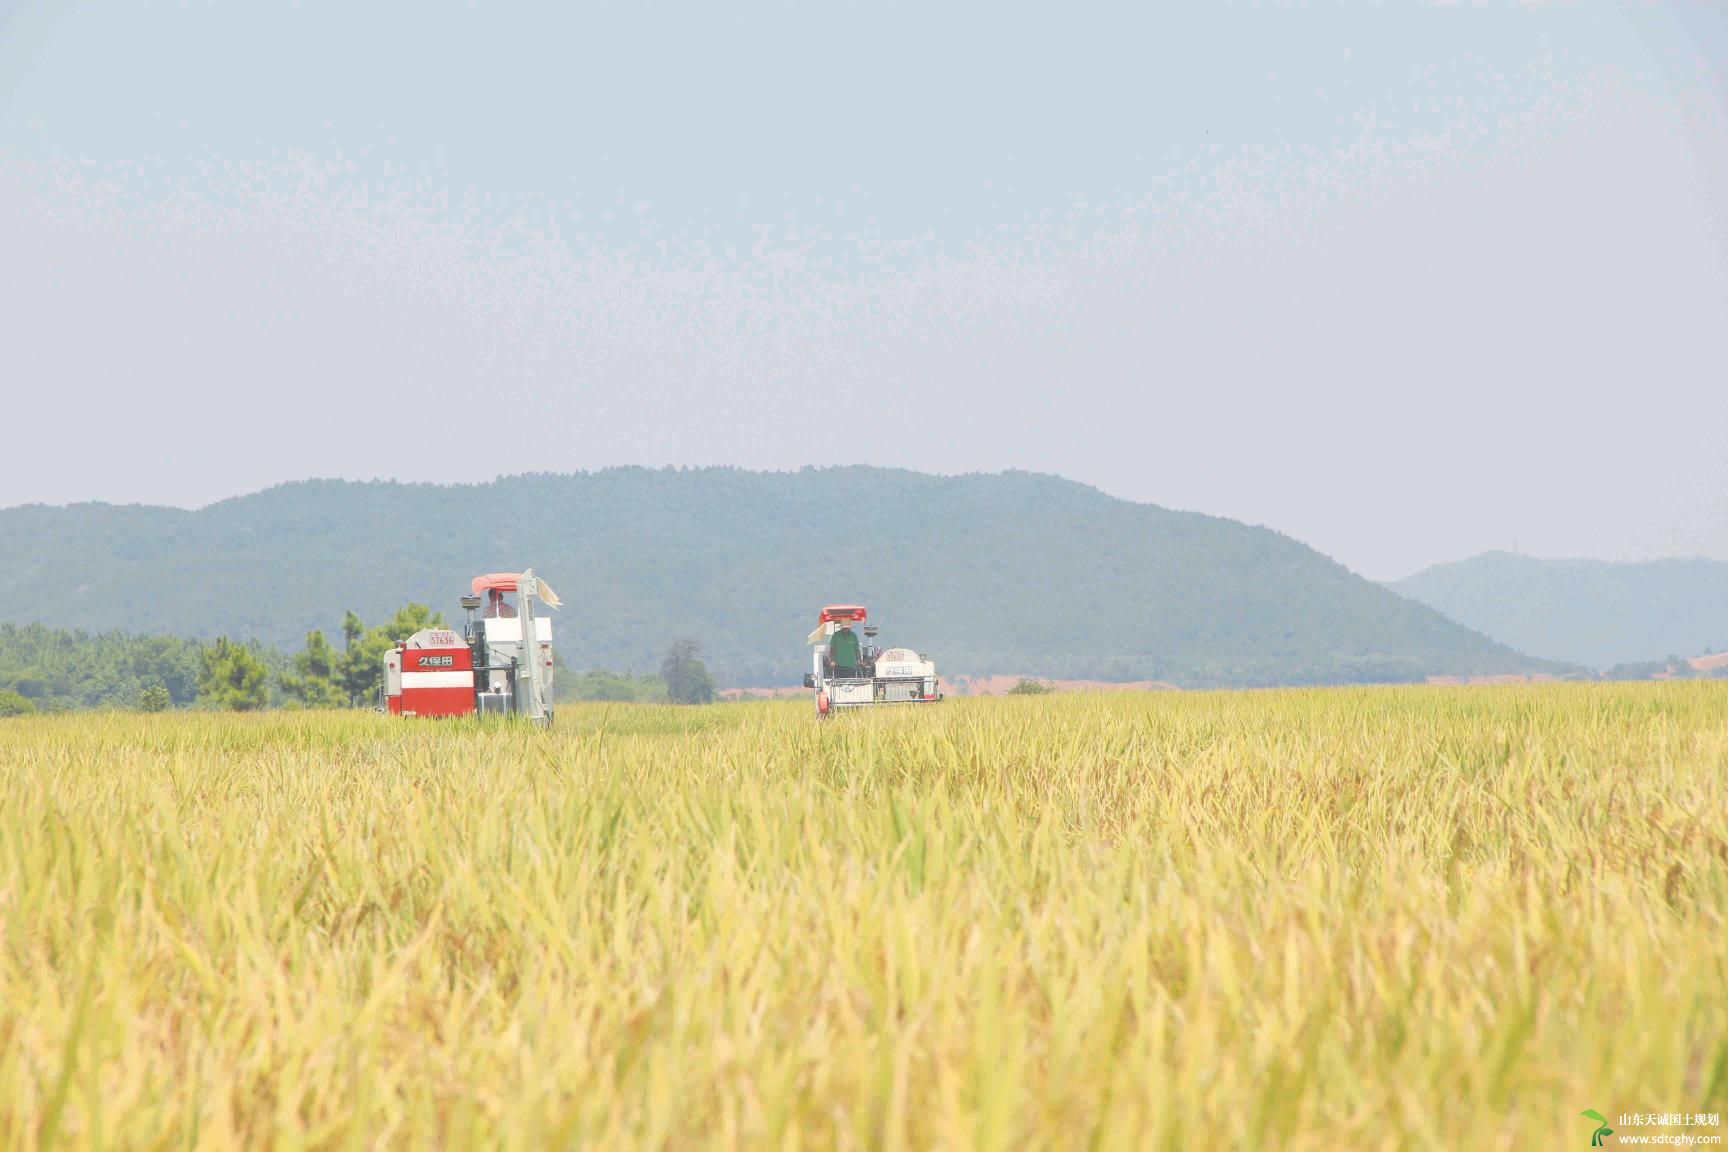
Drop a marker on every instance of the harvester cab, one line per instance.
(500, 665)
(849, 670)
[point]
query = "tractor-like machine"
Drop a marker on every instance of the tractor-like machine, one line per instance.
(499, 665)
(849, 672)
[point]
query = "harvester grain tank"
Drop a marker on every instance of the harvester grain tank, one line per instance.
(499, 665)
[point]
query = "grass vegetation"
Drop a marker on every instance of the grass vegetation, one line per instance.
(1357, 918)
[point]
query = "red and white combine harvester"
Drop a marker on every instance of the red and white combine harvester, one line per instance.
(500, 665)
(849, 672)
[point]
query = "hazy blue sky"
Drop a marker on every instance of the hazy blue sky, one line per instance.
(1406, 283)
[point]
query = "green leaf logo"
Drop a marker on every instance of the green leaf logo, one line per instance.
(1598, 1138)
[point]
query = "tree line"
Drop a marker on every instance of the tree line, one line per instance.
(46, 669)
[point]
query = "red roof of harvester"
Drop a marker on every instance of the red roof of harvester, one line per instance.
(841, 612)
(503, 581)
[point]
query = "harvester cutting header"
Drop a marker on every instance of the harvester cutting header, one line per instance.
(500, 665)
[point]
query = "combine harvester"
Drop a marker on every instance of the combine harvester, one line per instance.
(848, 673)
(501, 664)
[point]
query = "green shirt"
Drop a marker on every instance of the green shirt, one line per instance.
(843, 648)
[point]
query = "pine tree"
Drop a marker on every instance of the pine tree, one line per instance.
(314, 680)
(233, 678)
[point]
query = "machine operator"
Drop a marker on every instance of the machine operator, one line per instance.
(843, 651)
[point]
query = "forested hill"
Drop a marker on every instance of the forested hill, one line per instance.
(1591, 612)
(1014, 573)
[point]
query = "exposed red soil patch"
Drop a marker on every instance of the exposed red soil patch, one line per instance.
(1001, 685)
(1507, 678)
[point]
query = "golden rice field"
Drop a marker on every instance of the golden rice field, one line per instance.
(1426, 918)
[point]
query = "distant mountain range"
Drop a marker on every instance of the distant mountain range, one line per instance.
(1014, 572)
(1589, 612)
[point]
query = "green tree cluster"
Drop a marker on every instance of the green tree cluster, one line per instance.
(57, 670)
(53, 670)
(599, 684)
(321, 677)
(1673, 668)
(314, 676)
(234, 677)
(686, 677)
